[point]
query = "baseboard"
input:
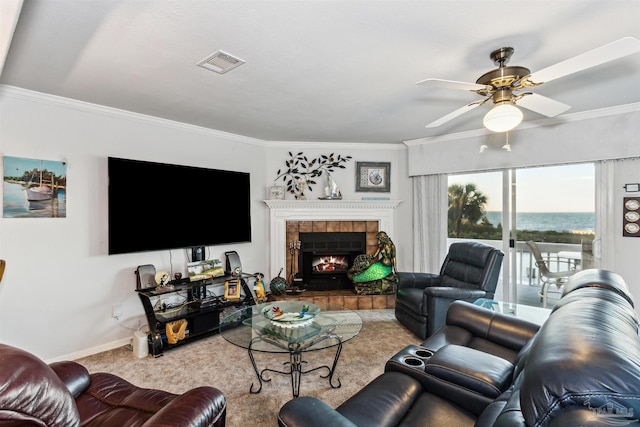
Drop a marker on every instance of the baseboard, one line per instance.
(92, 350)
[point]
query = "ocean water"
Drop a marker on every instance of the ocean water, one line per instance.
(550, 221)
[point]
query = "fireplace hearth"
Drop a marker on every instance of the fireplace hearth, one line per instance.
(325, 258)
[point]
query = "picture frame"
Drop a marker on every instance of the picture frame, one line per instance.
(276, 192)
(232, 289)
(201, 270)
(34, 188)
(373, 176)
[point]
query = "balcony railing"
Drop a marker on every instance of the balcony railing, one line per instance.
(560, 256)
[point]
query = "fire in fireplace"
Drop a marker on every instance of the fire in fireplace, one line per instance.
(329, 264)
(325, 259)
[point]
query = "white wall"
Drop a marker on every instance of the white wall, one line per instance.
(60, 285)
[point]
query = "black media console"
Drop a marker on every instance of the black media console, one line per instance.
(193, 301)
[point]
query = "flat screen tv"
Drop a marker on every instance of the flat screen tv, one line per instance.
(159, 206)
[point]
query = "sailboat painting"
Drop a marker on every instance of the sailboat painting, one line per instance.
(34, 188)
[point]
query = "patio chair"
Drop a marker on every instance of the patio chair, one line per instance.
(548, 277)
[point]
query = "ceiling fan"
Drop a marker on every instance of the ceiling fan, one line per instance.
(507, 85)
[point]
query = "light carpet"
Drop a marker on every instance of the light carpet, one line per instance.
(215, 362)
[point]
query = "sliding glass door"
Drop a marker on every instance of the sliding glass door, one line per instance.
(552, 206)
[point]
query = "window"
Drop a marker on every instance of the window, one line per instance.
(552, 205)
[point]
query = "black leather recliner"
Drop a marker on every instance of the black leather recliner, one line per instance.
(470, 271)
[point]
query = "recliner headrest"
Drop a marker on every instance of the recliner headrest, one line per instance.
(472, 253)
(599, 279)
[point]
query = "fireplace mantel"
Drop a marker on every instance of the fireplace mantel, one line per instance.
(281, 211)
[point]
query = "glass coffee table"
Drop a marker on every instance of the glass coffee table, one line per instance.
(291, 327)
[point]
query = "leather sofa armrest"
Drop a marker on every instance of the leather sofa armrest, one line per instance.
(505, 330)
(201, 406)
(437, 300)
(310, 412)
(417, 280)
(454, 293)
(468, 377)
(73, 375)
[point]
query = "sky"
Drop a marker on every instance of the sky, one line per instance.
(568, 188)
(16, 166)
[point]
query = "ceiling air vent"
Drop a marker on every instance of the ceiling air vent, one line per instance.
(220, 62)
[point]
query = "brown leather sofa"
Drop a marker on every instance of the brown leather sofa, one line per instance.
(64, 394)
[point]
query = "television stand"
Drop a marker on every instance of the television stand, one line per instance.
(196, 306)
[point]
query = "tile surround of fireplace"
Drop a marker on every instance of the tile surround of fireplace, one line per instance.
(287, 217)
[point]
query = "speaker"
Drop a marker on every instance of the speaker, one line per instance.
(146, 276)
(197, 254)
(233, 262)
(140, 344)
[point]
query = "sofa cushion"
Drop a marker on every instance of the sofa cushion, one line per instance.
(432, 411)
(383, 402)
(468, 377)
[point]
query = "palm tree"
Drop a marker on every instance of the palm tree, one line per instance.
(466, 205)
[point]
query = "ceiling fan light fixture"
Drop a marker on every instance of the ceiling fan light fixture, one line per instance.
(502, 117)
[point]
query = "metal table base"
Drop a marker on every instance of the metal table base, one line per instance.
(295, 365)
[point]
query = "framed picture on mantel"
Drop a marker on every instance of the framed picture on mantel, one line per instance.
(373, 176)
(276, 192)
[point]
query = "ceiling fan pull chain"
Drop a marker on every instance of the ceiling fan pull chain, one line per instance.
(506, 146)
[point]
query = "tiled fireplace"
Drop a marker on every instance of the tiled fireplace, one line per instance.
(291, 219)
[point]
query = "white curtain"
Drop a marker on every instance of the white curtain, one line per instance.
(430, 222)
(604, 241)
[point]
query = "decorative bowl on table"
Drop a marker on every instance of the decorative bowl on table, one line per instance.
(290, 313)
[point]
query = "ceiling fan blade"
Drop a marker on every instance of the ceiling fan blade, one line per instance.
(456, 113)
(609, 52)
(541, 104)
(451, 84)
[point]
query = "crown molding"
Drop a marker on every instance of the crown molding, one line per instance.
(60, 101)
(338, 145)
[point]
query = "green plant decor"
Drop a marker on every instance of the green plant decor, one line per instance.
(301, 171)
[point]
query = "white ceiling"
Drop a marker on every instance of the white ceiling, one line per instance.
(321, 71)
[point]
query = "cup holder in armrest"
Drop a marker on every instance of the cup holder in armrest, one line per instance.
(423, 353)
(410, 358)
(412, 361)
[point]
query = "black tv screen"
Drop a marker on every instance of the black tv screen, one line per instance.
(159, 206)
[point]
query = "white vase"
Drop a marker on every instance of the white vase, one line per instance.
(331, 190)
